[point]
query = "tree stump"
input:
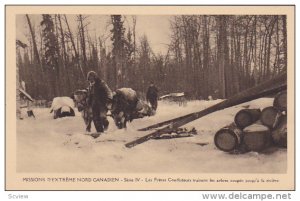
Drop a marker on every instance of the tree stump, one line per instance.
(246, 117)
(270, 117)
(256, 137)
(279, 134)
(280, 101)
(228, 138)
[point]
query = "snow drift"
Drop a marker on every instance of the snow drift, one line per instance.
(61, 145)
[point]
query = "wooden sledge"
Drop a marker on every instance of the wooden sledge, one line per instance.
(178, 133)
(269, 87)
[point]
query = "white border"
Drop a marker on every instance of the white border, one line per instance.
(132, 195)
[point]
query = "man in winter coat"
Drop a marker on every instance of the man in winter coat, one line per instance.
(99, 98)
(152, 96)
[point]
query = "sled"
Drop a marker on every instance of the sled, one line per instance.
(178, 133)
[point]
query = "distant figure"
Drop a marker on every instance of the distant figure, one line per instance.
(99, 98)
(152, 96)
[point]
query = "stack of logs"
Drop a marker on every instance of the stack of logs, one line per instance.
(256, 130)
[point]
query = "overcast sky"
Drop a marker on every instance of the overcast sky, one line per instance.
(156, 28)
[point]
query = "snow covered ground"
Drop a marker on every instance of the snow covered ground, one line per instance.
(60, 145)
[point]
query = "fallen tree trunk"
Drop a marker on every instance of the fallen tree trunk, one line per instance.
(270, 87)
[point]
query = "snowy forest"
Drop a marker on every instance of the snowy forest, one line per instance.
(221, 83)
(207, 55)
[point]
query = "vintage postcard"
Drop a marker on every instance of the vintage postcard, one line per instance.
(150, 97)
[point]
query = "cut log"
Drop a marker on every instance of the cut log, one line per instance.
(270, 117)
(228, 138)
(246, 117)
(256, 137)
(270, 87)
(280, 101)
(279, 135)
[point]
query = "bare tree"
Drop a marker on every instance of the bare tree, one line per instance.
(81, 27)
(35, 49)
(70, 35)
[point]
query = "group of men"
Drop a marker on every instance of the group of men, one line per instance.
(100, 100)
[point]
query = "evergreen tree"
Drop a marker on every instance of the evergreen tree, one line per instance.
(51, 54)
(118, 51)
(144, 62)
(50, 43)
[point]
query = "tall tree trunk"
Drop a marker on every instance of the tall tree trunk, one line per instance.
(18, 99)
(65, 56)
(277, 54)
(284, 41)
(35, 49)
(74, 47)
(222, 55)
(134, 36)
(270, 34)
(206, 56)
(255, 42)
(62, 37)
(82, 39)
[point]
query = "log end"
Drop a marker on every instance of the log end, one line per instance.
(270, 116)
(279, 135)
(227, 139)
(256, 140)
(246, 117)
(280, 101)
(242, 119)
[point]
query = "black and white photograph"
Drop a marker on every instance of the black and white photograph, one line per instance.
(153, 93)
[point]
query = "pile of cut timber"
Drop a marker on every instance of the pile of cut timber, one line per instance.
(255, 130)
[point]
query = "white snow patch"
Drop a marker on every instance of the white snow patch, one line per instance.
(59, 102)
(61, 145)
(256, 127)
